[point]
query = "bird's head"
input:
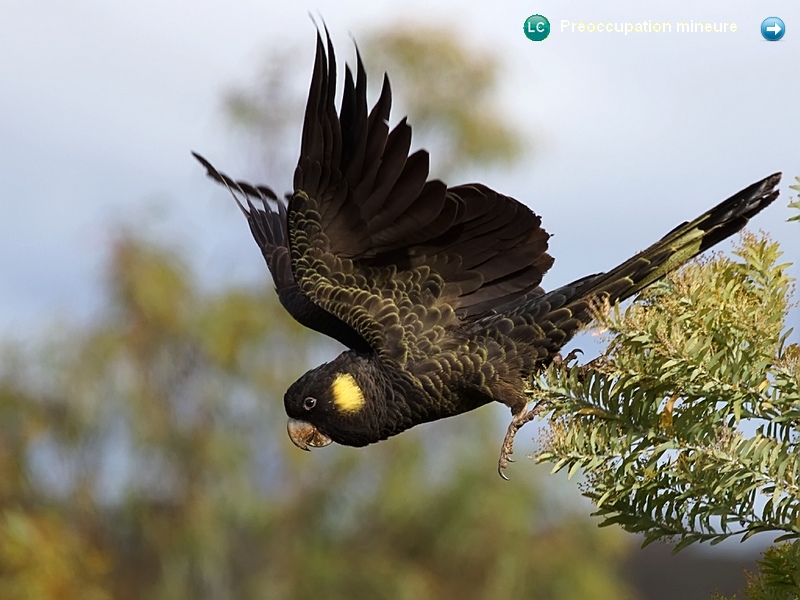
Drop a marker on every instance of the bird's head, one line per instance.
(341, 401)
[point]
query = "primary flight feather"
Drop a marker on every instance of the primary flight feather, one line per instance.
(434, 290)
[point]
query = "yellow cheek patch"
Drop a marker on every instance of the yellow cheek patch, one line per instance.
(347, 396)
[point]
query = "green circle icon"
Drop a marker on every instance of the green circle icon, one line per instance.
(536, 28)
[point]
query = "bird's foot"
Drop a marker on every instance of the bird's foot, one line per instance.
(569, 361)
(517, 421)
(565, 361)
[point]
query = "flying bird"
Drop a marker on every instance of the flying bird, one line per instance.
(434, 290)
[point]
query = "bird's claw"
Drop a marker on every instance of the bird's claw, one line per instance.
(569, 358)
(507, 448)
(503, 463)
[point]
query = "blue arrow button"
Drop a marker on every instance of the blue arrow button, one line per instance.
(772, 28)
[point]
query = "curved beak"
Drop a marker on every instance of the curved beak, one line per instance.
(305, 434)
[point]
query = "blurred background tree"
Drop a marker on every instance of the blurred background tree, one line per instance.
(450, 90)
(144, 454)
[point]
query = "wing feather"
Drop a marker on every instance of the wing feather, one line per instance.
(368, 246)
(364, 218)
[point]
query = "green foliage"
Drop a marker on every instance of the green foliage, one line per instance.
(686, 427)
(778, 577)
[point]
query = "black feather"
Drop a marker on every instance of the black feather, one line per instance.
(435, 291)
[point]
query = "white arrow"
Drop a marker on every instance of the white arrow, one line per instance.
(775, 29)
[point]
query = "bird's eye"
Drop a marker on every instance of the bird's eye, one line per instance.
(309, 403)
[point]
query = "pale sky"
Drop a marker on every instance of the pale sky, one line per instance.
(101, 103)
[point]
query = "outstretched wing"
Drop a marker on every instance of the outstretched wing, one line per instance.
(270, 231)
(397, 257)
(368, 250)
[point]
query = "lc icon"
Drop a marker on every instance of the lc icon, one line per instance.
(536, 28)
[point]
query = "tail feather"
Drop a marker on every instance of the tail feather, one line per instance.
(559, 314)
(684, 242)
